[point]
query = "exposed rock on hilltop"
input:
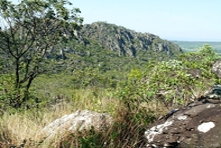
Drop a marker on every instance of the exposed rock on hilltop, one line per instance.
(125, 41)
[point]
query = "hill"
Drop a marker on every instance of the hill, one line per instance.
(114, 47)
(126, 41)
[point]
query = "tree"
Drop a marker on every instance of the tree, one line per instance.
(30, 31)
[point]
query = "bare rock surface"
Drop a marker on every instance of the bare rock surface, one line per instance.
(78, 121)
(217, 68)
(196, 125)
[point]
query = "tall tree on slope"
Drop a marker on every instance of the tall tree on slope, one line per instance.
(29, 31)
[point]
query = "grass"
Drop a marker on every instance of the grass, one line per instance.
(129, 108)
(25, 126)
(59, 98)
(22, 129)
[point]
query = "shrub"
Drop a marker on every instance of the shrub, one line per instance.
(173, 82)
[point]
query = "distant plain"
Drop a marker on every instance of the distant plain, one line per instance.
(194, 45)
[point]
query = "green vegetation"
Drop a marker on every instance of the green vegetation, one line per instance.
(126, 42)
(31, 30)
(37, 87)
(174, 81)
(134, 99)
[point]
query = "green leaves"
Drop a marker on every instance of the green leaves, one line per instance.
(34, 29)
(174, 82)
(92, 77)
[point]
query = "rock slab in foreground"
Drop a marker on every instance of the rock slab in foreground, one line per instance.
(78, 121)
(196, 125)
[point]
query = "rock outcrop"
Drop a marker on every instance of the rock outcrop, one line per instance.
(196, 125)
(125, 41)
(217, 68)
(78, 121)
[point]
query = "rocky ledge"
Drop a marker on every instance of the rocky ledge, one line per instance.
(196, 125)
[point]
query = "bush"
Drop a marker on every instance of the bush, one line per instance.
(173, 82)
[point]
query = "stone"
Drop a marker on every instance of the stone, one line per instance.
(196, 125)
(78, 121)
(217, 68)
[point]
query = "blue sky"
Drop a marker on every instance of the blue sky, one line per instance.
(185, 20)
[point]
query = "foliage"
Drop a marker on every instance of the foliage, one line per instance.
(131, 102)
(85, 139)
(7, 91)
(174, 82)
(92, 77)
(31, 30)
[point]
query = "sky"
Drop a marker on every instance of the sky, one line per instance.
(181, 20)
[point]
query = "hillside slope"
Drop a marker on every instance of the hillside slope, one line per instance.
(109, 47)
(112, 47)
(125, 41)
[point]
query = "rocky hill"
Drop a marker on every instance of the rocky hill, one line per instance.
(109, 47)
(125, 41)
(112, 47)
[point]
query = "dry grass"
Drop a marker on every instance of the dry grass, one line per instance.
(24, 128)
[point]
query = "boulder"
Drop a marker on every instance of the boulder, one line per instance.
(78, 121)
(217, 68)
(196, 125)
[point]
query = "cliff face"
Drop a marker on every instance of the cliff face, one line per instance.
(124, 41)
